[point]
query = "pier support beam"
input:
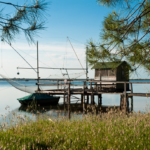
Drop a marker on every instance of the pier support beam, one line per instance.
(84, 97)
(92, 99)
(99, 100)
(69, 114)
(64, 103)
(87, 99)
(121, 102)
(131, 103)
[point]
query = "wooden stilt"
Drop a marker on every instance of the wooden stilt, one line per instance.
(131, 103)
(87, 99)
(92, 98)
(81, 98)
(121, 102)
(99, 100)
(84, 98)
(125, 98)
(127, 104)
(69, 114)
(64, 102)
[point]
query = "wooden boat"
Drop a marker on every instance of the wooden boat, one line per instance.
(39, 99)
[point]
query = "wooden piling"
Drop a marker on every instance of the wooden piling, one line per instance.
(87, 96)
(127, 104)
(99, 100)
(84, 98)
(125, 98)
(69, 114)
(131, 103)
(81, 99)
(64, 102)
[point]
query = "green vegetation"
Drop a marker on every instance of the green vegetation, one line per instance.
(125, 34)
(107, 131)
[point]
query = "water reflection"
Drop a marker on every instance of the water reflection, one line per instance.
(10, 108)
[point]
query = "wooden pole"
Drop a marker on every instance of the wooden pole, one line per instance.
(131, 88)
(64, 102)
(127, 104)
(81, 99)
(99, 100)
(125, 97)
(92, 98)
(87, 99)
(131, 103)
(84, 97)
(69, 114)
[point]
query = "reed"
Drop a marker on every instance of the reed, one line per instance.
(113, 130)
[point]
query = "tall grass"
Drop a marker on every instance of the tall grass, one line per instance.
(100, 132)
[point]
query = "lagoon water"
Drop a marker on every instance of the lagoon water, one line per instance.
(10, 105)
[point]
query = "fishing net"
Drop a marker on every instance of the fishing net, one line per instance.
(31, 87)
(72, 76)
(20, 86)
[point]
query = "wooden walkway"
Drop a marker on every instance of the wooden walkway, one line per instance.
(92, 88)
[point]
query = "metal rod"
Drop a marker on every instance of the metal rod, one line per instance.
(53, 68)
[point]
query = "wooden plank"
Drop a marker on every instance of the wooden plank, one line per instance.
(139, 94)
(125, 98)
(131, 88)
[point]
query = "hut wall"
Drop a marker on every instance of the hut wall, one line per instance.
(122, 75)
(106, 75)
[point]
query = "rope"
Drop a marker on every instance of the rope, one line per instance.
(20, 55)
(1, 57)
(76, 54)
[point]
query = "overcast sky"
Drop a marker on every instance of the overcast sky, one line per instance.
(80, 20)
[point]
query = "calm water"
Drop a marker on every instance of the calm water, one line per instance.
(10, 105)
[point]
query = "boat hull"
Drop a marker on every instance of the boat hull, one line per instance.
(39, 99)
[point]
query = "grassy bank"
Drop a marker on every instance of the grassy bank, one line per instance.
(112, 131)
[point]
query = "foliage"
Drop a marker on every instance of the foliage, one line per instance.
(107, 131)
(28, 18)
(125, 34)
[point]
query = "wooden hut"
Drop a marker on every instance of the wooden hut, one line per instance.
(112, 71)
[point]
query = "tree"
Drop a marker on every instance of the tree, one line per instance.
(28, 18)
(125, 34)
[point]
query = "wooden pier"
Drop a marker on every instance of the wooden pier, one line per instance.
(91, 89)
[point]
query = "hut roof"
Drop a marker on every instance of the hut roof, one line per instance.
(108, 65)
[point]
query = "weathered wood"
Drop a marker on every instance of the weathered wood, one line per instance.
(127, 104)
(139, 94)
(92, 98)
(131, 103)
(131, 88)
(64, 102)
(99, 100)
(69, 113)
(125, 98)
(84, 97)
(87, 99)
